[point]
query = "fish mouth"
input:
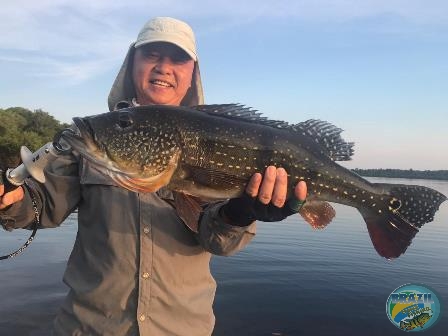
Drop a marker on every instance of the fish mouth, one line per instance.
(85, 131)
(161, 82)
(83, 141)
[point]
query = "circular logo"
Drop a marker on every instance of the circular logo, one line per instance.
(413, 307)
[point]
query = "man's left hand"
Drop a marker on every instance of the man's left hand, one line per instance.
(265, 199)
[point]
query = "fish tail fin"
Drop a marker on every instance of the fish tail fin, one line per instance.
(405, 208)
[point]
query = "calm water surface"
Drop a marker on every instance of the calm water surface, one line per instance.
(291, 280)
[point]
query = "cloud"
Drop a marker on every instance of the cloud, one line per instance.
(80, 39)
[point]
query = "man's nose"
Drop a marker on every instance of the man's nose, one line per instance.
(164, 64)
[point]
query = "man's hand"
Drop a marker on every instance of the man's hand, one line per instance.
(273, 187)
(265, 199)
(11, 197)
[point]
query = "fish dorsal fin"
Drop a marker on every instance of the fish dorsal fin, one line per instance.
(328, 137)
(322, 133)
(238, 111)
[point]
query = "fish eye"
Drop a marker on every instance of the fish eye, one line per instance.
(124, 120)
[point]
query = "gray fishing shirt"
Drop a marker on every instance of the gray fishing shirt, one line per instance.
(135, 268)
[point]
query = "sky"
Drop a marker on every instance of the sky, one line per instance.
(377, 69)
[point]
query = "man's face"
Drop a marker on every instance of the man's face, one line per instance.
(162, 74)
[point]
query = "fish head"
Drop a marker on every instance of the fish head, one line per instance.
(130, 142)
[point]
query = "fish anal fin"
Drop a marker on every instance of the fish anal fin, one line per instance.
(189, 209)
(317, 213)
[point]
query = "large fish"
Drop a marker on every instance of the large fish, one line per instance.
(209, 152)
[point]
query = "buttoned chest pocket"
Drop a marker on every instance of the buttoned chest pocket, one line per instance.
(99, 190)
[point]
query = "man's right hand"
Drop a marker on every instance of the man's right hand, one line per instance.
(11, 197)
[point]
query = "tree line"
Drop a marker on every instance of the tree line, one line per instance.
(22, 127)
(404, 173)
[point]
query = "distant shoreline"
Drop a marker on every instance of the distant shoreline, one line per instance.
(404, 173)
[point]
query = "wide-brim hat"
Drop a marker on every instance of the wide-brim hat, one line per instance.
(159, 29)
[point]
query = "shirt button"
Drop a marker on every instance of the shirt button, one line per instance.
(142, 318)
(146, 229)
(145, 275)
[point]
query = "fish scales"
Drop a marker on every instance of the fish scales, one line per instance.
(251, 150)
(257, 150)
(211, 151)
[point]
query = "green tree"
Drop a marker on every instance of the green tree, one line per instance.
(22, 127)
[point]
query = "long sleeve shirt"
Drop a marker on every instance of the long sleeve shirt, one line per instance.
(135, 268)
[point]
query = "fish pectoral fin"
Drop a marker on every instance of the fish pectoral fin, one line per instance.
(147, 184)
(136, 184)
(189, 209)
(317, 213)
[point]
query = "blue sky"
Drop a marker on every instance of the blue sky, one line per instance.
(377, 69)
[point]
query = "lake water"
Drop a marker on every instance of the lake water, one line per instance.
(291, 280)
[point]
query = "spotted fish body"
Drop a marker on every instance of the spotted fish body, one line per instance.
(211, 151)
(417, 321)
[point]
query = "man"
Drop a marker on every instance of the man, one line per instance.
(135, 268)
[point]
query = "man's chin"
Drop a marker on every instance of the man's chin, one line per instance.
(159, 100)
